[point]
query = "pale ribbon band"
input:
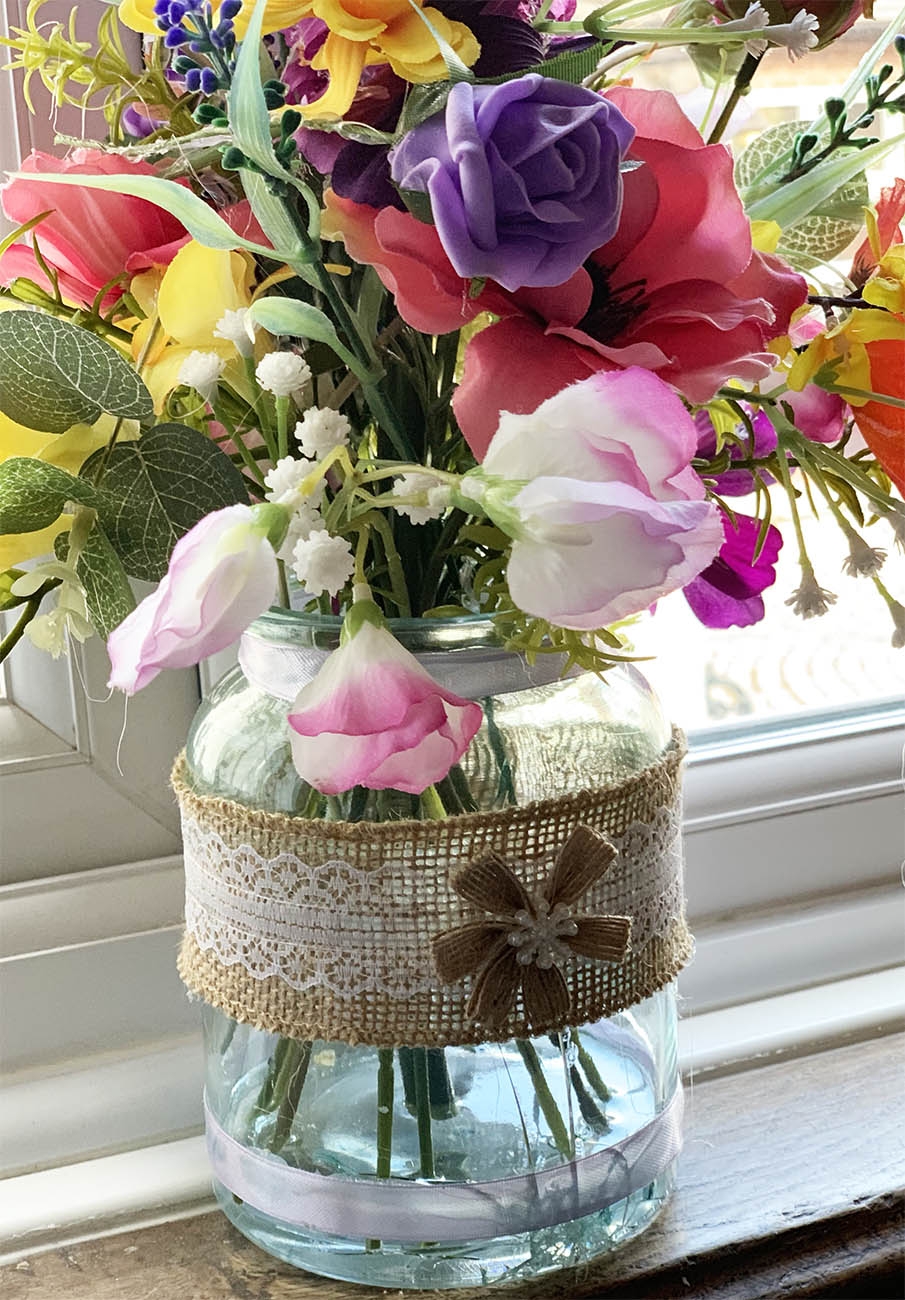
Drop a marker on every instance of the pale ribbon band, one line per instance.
(283, 670)
(397, 1210)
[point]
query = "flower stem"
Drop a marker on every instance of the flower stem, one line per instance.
(282, 405)
(592, 1074)
(743, 79)
(423, 1111)
(385, 1099)
(545, 1098)
(288, 1088)
(29, 610)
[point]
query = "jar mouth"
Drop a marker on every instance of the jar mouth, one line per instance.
(280, 626)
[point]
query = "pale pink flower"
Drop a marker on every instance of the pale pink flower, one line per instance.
(222, 575)
(597, 491)
(374, 717)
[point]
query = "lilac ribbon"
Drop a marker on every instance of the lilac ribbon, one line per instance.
(400, 1210)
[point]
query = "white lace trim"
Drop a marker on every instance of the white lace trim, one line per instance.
(336, 927)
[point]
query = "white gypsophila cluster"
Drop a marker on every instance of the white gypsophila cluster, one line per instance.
(320, 430)
(201, 370)
(282, 373)
(285, 480)
(430, 497)
(798, 36)
(235, 328)
(323, 563)
(304, 522)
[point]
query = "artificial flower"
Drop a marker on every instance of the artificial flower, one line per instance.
(597, 491)
(397, 32)
(882, 232)
(523, 178)
(222, 575)
(91, 236)
(322, 563)
(831, 18)
(881, 424)
(141, 15)
(728, 592)
(374, 717)
(734, 482)
(526, 939)
(321, 430)
(181, 321)
(67, 450)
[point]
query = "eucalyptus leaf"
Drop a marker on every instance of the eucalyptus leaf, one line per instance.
(154, 490)
(34, 493)
(107, 591)
(53, 374)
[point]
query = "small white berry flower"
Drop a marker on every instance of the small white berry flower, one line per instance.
(282, 373)
(201, 370)
(284, 482)
(303, 523)
(236, 328)
(430, 497)
(320, 430)
(323, 563)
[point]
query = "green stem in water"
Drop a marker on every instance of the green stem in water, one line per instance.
(385, 1100)
(423, 1112)
(545, 1098)
(288, 1088)
(265, 1096)
(592, 1074)
(743, 79)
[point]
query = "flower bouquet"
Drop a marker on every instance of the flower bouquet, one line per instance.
(421, 349)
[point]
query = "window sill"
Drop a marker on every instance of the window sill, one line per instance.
(791, 1183)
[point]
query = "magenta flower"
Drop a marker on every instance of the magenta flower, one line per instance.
(523, 178)
(374, 717)
(737, 482)
(596, 489)
(728, 592)
(222, 575)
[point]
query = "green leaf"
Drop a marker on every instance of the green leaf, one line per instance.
(791, 203)
(572, 65)
(249, 119)
(423, 102)
(300, 320)
(156, 489)
(201, 221)
(107, 590)
(54, 375)
(33, 494)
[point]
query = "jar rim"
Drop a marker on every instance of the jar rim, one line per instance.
(279, 625)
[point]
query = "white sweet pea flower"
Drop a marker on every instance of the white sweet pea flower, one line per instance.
(236, 328)
(320, 430)
(282, 373)
(597, 491)
(424, 489)
(201, 371)
(323, 563)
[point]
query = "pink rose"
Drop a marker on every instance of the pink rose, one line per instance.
(91, 236)
(222, 575)
(597, 491)
(374, 717)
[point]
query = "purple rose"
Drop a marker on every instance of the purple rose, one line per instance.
(523, 178)
(728, 592)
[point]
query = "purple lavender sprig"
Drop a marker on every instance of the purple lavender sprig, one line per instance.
(190, 24)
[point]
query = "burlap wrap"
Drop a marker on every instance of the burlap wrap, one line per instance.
(317, 929)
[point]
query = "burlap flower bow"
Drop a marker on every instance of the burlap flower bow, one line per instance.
(529, 937)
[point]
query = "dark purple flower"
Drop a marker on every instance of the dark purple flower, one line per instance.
(728, 592)
(138, 124)
(737, 482)
(523, 178)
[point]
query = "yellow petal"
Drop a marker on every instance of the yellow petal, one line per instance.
(411, 48)
(139, 16)
(765, 235)
(16, 548)
(344, 60)
(16, 440)
(71, 449)
(198, 286)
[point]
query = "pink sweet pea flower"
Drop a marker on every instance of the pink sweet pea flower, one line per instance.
(374, 717)
(597, 490)
(222, 575)
(91, 236)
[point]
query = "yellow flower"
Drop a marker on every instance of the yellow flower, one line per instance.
(67, 450)
(381, 31)
(187, 299)
(847, 345)
(887, 287)
(140, 17)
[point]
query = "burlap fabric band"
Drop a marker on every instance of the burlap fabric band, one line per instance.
(332, 930)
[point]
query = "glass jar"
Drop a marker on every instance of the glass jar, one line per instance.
(509, 1124)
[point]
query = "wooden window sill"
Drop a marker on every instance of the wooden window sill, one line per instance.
(792, 1185)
